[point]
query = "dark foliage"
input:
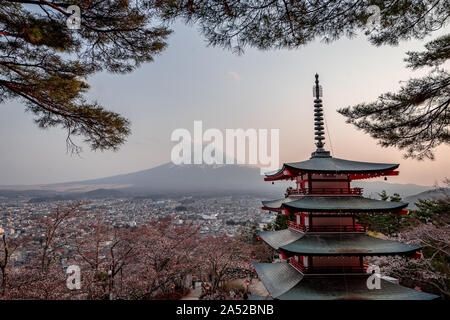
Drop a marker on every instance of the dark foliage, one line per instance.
(417, 117)
(280, 223)
(386, 223)
(268, 24)
(45, 64)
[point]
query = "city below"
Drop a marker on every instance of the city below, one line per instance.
(216, 215)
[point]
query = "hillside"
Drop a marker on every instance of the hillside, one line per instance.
(427, 195)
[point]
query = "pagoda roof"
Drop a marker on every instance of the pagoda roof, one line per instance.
(352, 287)
(346, 244)
(278, 203)
(332, 165)
(282, 283)
(334, 204)
(277, 239)
(334, 244)
(277, 277)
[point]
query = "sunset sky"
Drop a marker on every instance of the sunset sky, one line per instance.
(190, 81)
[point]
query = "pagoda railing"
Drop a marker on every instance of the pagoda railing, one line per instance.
(355, 191)
(296, 227)
(297, 265)
(328, 228)
(327, 269)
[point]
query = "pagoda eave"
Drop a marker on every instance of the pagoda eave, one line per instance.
(329, 165)
(347, 244)
(283, 282)
(334, 204)
(277, 239)
(277, 278)
(334, 244)
(353, 287)
(352, 176)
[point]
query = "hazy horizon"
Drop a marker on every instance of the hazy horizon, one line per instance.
(376, 179)
(190, 81)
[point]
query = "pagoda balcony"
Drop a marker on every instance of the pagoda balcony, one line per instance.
(321, 191)
(327, 269)
(328, 228)
(298, 266)
(297, 227)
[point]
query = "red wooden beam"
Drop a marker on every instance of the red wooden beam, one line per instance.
(285, 174)
(290, 174)
(357, 176)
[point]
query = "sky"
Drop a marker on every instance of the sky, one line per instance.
(261, 89)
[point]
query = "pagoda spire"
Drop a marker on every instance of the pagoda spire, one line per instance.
(318, 117)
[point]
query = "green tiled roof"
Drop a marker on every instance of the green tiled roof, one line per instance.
(283, 282)
(277, 204)
(349, 244)
(334, 204)
(336, 165)
(343, 203)
(350, 288)
(277, 277)
(280, 238)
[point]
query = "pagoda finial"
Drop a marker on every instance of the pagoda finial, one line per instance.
(318, 117)
(317, 88)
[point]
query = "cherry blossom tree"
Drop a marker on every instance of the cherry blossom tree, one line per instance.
(165, 257)
(7, 248)
(102, 253)
(150, 261)
(41, 276)
(432, 270)
(223, 258)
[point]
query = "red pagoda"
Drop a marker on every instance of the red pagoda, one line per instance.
(323, 249)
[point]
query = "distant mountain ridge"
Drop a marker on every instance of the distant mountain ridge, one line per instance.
(171, 179)
(434, 194)
(94, 194)
(373, 188)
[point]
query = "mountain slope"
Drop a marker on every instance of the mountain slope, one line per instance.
(170, 178)
(434, 194)
(373, 188)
